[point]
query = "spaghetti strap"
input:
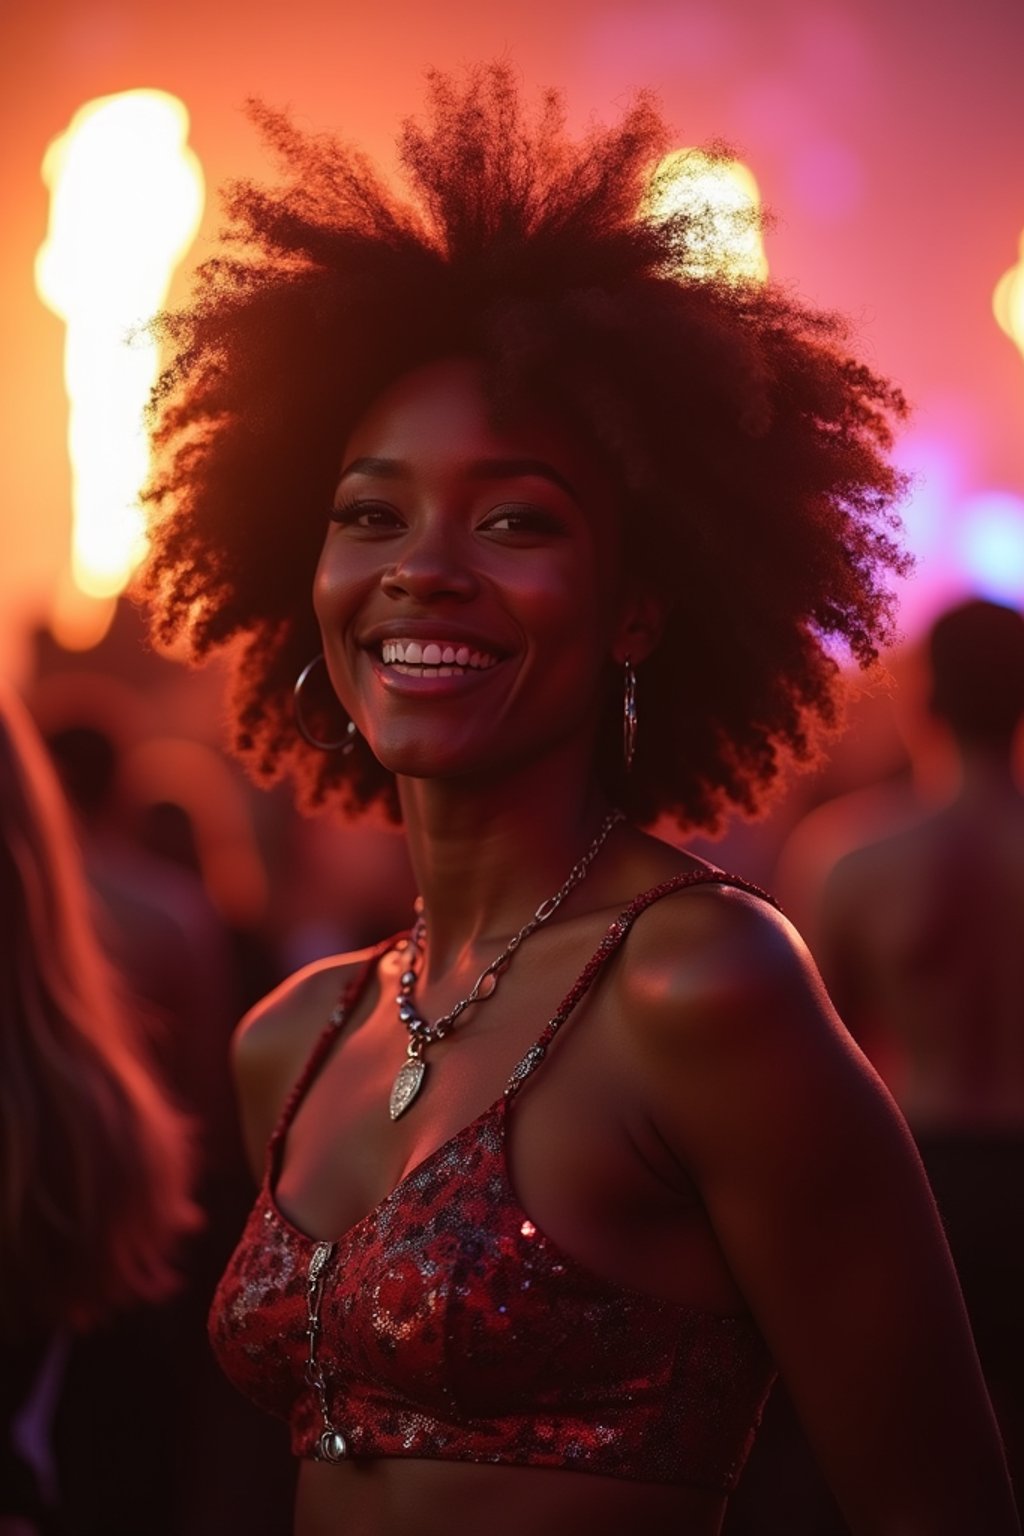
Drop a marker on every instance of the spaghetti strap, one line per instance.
(610, 943)
(340, 1014)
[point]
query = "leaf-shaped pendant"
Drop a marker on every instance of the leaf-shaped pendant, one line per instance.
(407, 1085)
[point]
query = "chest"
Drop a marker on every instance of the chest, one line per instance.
(343, 1153)
(574, 1142)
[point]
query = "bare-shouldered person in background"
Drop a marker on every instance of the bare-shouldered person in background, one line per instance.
(922, 947)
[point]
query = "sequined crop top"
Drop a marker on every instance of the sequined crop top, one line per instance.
(445, 1324)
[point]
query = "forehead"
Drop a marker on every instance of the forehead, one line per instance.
(437, 417)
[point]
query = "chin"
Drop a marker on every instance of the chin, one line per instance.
(421, 759)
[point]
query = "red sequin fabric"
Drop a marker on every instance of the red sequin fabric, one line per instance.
(451, 1327)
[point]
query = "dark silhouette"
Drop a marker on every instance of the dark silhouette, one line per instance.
(921, 948)
(95, 1162)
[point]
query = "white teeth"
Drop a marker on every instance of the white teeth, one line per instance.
(436, 657)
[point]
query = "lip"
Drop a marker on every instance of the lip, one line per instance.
(433, 684)
(431, 629)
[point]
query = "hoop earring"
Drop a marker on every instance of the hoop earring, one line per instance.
(346, 744)
(629, 721)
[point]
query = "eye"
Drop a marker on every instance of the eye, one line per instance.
(366, 516)
(523, 519)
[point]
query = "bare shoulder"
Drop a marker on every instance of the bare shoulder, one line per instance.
(734, 1040)
(717, 952)
(282, 1021)
(855, 876)
(274, 1040)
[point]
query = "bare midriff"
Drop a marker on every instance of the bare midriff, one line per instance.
(434, 1498)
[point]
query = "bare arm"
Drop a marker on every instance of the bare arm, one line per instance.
(819, 1202)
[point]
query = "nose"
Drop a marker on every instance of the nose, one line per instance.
(432, 564)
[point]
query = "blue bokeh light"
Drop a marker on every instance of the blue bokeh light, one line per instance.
(991, 544)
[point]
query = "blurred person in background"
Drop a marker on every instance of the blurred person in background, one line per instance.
(189, 974)
(580, 529)
(339, 886)
(95, 1161)
(154, 917)
(921, 943)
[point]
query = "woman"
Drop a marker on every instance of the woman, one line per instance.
(94, 1161)
(596, 528)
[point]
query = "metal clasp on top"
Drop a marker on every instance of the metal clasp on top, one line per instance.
(332, 1444)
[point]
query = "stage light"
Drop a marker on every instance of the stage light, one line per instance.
(1008, 301)
(723, 203)
(991, 545)
(126, 197)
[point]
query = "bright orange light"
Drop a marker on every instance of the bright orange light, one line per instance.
(724, 202)
(77, 621)
(126, 200)
(1008, 301)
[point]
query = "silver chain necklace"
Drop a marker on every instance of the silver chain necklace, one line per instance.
(422, 1032)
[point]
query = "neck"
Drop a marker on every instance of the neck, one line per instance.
(986, 774)
(486, 857)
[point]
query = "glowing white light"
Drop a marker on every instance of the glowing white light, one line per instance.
(991, 537)
(1008, 301)
(724, 201)
(126, 200)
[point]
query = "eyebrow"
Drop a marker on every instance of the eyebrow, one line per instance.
(479, 469)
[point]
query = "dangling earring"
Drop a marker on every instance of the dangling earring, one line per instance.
(628, 713)
(347, 742)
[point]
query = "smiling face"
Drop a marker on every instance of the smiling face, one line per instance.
(469, 591)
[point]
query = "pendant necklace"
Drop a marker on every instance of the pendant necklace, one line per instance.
(422, 1032)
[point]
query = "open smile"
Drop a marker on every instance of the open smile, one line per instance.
(434, 658)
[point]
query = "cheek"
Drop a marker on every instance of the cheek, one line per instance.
(552, 624)
(338, 584)
(323, 586)
(571, 600)
(568, 624)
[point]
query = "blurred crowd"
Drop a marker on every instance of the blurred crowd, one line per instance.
(152, 896)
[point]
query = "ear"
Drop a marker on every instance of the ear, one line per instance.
(640, 628)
